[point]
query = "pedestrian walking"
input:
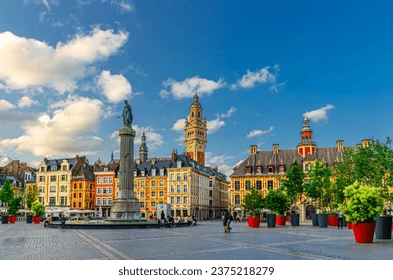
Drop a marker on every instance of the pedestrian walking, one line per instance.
(340, 220)
(225, 223)
(230, 220)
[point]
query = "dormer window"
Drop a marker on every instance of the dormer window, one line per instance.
(135, 173)
(259, 169)
(178, 164)
(153, 172)
(53, 168)
(143, 173)
(270, 169)
(162, 172)
(281, 169)
(248, 169)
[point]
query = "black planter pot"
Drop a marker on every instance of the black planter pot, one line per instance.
(4, 219)
(295, 218)
(29, 219)
(323, 220)
(383, 229)
(314, 218)
(271, 220)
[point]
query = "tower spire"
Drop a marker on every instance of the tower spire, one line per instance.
(195, 132)
(143, 151)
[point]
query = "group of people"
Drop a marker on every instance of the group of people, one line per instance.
(172, 221)
(62, 219)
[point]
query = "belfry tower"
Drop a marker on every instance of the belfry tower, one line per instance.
(306, 145)
(143, 149)
(195, 132)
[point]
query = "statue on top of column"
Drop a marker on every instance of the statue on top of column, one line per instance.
(127, 114)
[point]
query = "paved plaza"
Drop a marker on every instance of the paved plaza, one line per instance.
(206, 241)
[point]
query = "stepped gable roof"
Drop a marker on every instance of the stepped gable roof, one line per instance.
(286, 158)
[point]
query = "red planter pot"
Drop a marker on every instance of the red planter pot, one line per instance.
(333, 221)
(350, 226)
(364, 232)
(253, 221)
(280, 220)
(12, 219)
(288, 218)
(36, 219)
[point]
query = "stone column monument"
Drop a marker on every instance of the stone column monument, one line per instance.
(126, 206)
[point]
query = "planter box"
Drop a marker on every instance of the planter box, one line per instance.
(314, 218)
(254, 221)
(333, 221)
(36, 219)
(281, 220)
(271, 220)
(295, 218)
(4, 219)
(364, 232)
(383, 229)
(323, 220)
(12, 219)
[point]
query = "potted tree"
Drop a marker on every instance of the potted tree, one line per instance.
(253, 203)
(6, 194)
(278, 203)
(38, 210)
(30, 196)
(13, 207)
(294, 187)
(318, 189)
(363, 205)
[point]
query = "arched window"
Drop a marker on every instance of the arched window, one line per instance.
(199, 114)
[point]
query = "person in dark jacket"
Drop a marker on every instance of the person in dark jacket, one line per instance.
(225, 223)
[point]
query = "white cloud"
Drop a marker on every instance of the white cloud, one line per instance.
(5, 105)
(261, 76)
(214, 125)
(34, 163)
(257, 132)
(115, 88)
(69, 130)
(179, 125)
(319, 114)
(222, 162)
(189, 87)
(30, 63)
(26, 101)
(229, 113)
(125, 7)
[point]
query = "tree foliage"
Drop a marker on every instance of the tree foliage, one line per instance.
(294, 182)
(13, 206)
(253, 202)
(318, 188)
(6, 192)
(277, 202)
(38, 209)
(31, 195)
(363, 204)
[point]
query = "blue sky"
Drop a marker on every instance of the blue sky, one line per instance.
(67, 66)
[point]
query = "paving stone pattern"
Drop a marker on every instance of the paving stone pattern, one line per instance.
(206, 241)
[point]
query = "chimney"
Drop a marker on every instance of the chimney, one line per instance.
(138, 161)
(340, 145)
(275, 149)
(174, 155)
(76, 158)
(153, 160)
(253, 149)
(45, 159)
(365, 142)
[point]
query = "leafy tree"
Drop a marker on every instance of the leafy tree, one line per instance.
(363, 204)
(343, 175)
(30, 196)
(319, 184)
(373, 165)
(294, 182)
(38, 209)
(6, 192)
(13, 206)
(253, 202)
(277, 202)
